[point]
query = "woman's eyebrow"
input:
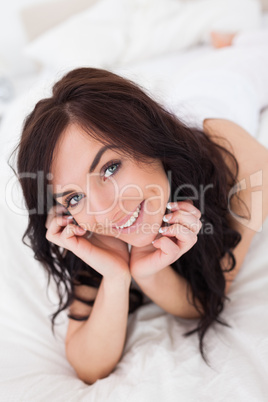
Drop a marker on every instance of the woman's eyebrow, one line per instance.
(99, 155)
(93, 166)
(62, 194)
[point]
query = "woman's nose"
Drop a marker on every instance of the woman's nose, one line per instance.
(102, 204)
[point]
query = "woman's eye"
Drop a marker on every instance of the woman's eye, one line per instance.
(110, 170)
(74, 200)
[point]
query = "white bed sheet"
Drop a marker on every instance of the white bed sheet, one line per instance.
(158, 363)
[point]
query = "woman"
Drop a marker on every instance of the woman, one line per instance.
(118, 170)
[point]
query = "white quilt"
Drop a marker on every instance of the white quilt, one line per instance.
(159, 363)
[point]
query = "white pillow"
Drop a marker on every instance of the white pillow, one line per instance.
(159, 27)
(115, 33)
(92, 37)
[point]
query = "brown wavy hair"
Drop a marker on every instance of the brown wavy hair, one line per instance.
(116, 111)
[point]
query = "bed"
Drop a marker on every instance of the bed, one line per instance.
(158, 362)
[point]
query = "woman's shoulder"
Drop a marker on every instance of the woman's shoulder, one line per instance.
(249, 210)
(252, 159)
(237, 140)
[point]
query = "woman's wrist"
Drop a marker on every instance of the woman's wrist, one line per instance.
(147, 279)
(121, 279)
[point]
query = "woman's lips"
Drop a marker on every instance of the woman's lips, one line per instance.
(138, 221)
(123, 221)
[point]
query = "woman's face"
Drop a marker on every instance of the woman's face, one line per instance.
(108, 192)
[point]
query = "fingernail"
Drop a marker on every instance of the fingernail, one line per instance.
(69, 217)
(166, 218)
(80, 229)
(162, 230)
(170, 206)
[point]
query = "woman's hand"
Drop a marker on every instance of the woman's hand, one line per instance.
(176, 240)
(107, 255)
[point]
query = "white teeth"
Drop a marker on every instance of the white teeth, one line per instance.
(131, 220)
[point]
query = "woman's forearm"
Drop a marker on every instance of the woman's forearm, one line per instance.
(96, 347)
(168, 290)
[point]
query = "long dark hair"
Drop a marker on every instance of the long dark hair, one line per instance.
(116, 111)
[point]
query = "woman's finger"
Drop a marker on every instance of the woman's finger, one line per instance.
(58, 223)
(167, 252)
(72, 230)
(63, 233)
(184, 218)
(185, 206)
(181, 233)
(166, 245)
(56, 210)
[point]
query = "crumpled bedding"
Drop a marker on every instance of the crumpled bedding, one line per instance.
(158, 363)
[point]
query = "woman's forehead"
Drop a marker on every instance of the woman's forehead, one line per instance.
(76, 151)
(73, 137)
(72, 148)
